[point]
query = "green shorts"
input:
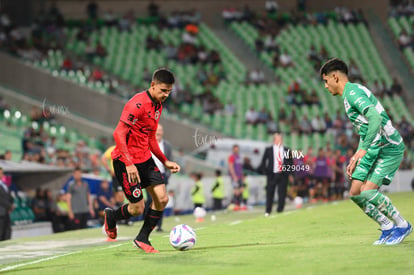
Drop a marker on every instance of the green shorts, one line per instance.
(380, 164)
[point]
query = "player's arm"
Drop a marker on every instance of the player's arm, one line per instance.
(374, 124)
(120, 136)
(155, 149)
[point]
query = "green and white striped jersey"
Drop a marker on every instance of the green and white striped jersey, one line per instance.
(357, 99)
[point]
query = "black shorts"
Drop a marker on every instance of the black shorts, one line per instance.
(115, 184)
(148, 173)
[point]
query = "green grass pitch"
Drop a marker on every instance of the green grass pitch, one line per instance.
(332, 238)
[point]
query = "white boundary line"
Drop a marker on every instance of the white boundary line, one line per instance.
(37, 261)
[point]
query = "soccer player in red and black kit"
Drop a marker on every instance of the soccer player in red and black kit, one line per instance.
(133, 165)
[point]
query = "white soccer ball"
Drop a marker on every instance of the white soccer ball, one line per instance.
(199, 212)
(182, 237)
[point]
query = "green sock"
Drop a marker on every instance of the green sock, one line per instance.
(384, 204)
(371, 211)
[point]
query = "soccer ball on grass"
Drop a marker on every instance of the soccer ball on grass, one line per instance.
(182, 237)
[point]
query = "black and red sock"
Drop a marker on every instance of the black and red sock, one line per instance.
(151, 219)
(122, 213)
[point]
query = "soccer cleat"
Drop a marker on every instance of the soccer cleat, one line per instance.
(399, 235)
(110, 232)
(385, 235)
(146, 247)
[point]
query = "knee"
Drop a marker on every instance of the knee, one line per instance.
(163, 201)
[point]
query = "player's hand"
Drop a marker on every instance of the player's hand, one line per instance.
(71, 216)
(174, 167)
(133, 176)
(355, 160)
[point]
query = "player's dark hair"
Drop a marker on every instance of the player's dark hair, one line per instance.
(218, 173)
(163, 75)
(77, 168)
(334, 64)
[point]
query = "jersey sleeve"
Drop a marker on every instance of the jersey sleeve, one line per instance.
(231, 159)
(359, 100)
(131, 112)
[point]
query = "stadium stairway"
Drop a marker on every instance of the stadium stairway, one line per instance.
(239, 49)
(392, 57)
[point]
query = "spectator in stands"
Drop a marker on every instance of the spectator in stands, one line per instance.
(6, 156)
(146, 75)
(39, 206)
(318, 124)
(251, 116)
(406, 163)
(153, 9)
(404, 128)
(229, 108)
(97, 75)
(282, 116)
(285, 60)
(305, 126)
(109, 18)
(271, 125)
(404, 40)
(100, 50)
(396, 88)
(92, 10)
(171, 52)
(214, 57)
(90, 51)
(259, 44)
(354, 72)
(270, 43)
(263, 116)
(314, 57)
(67, 64)
(202, 55)
(271, 6)
(126, 21)
(256, 76)
(376, 88)
(189, 37)
(79, 201)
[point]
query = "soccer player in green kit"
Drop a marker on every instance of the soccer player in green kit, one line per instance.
(379, 153)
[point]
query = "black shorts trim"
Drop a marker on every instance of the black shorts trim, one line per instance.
(149, 174)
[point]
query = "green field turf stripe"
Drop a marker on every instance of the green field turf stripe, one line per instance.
(37, 261)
